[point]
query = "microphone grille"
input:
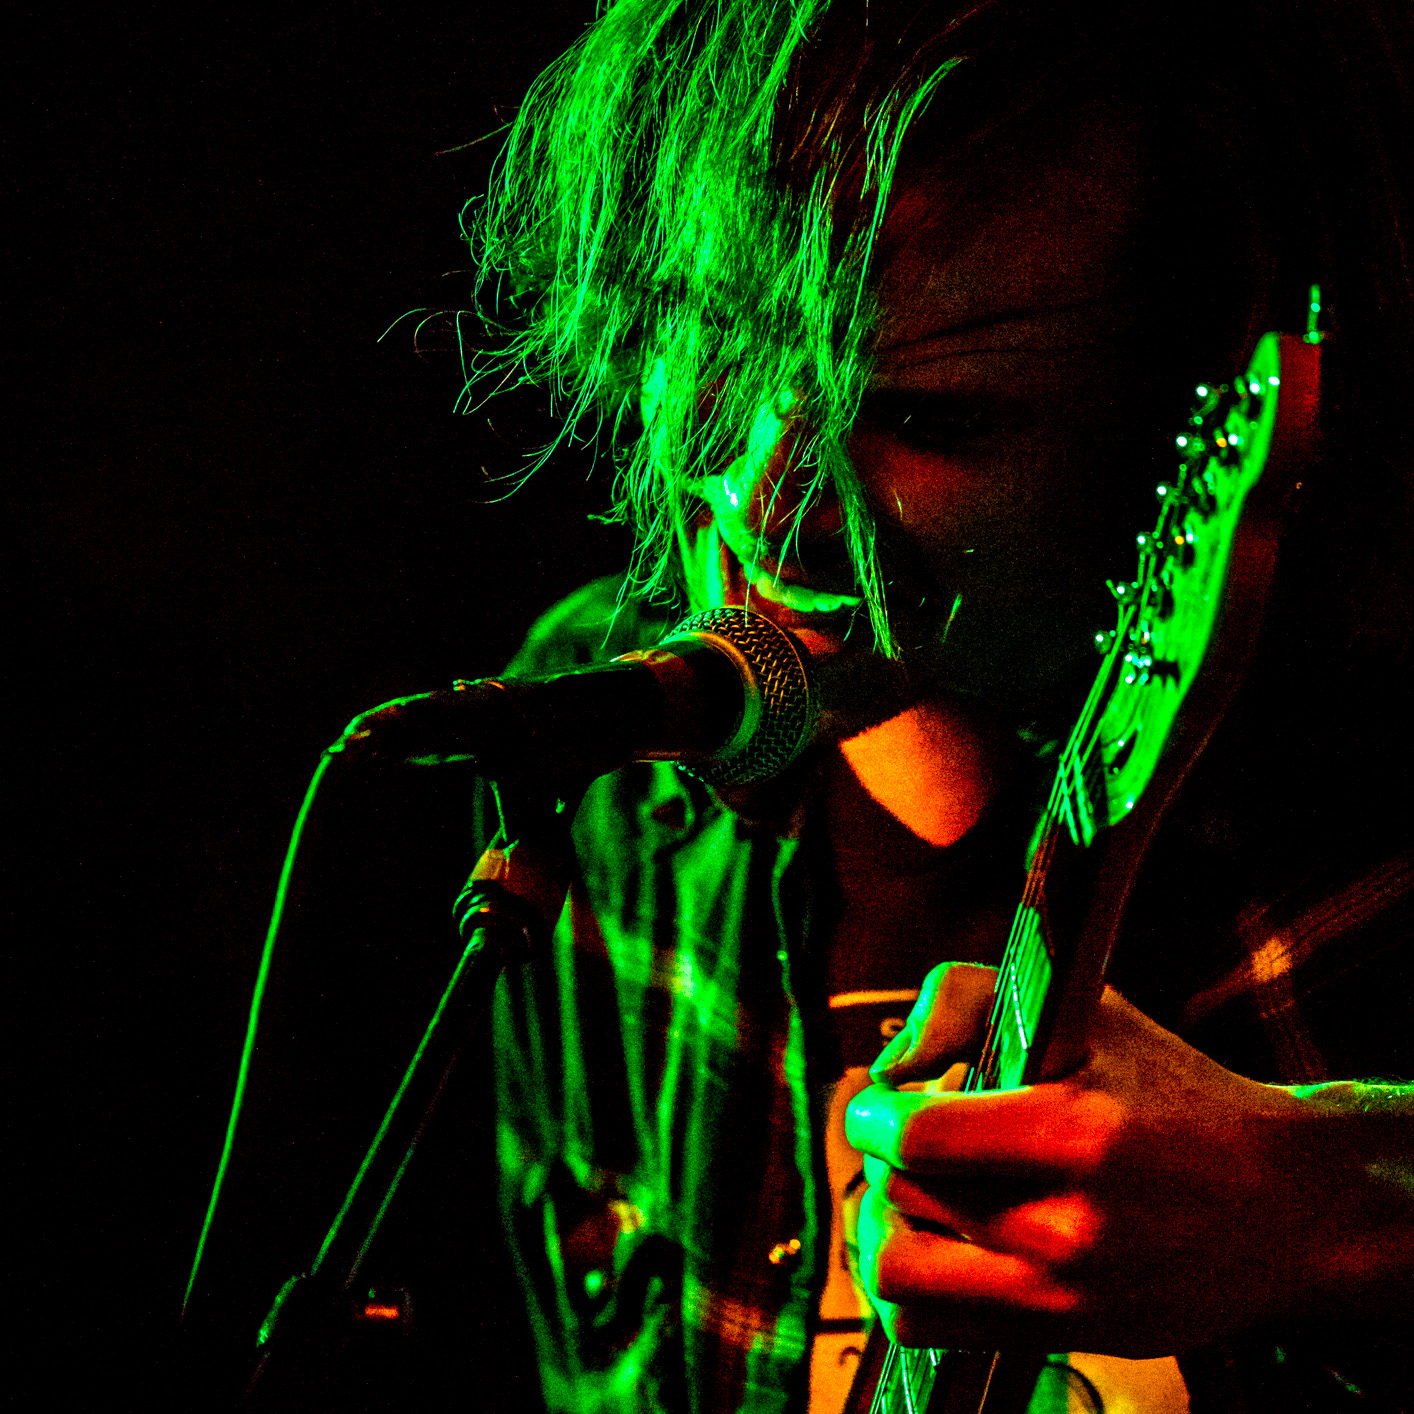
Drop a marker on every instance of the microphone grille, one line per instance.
(781, 705)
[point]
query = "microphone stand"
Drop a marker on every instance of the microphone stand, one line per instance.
(727, 690)
(504, 916)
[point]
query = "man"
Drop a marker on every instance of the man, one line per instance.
(895, 311)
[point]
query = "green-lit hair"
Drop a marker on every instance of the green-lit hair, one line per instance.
(680, 230)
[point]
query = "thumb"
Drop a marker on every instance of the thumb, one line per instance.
(946, 1025)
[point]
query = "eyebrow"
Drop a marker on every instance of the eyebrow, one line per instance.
(889, 361)
(995, 319)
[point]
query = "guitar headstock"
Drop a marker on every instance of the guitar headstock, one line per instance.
(1168, 611)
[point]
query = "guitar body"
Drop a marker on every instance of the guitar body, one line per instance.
(1187, 625)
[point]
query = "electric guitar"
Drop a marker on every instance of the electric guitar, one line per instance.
(1166, 677)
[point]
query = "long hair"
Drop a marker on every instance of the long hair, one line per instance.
(681, 229)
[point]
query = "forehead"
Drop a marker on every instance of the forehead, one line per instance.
(1043, 219)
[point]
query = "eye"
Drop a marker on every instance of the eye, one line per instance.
(926, 422)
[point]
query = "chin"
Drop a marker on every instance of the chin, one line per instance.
(1021, 660)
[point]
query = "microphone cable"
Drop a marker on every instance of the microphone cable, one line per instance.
(769, 667)
(277, 912)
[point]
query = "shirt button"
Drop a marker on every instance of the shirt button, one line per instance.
(784, 1254)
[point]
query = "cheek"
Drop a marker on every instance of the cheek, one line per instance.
(1061, 496)
(984, 500)
(932, 499)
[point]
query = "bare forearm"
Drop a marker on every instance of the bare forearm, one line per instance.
(1364, 1133)
(1359, 1097)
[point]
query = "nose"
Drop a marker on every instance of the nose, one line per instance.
(770, 490)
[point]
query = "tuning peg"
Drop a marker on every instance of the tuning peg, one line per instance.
(1160, 599)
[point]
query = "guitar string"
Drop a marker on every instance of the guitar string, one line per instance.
(1026, 944)
(1025, 948)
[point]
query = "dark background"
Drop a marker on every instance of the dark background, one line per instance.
(240, 519)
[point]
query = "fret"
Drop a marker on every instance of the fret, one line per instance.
(1022, 988)
(880, 1403)
(1023, 1037)
(910, 1378)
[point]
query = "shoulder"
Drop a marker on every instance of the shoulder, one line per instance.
(594, 624)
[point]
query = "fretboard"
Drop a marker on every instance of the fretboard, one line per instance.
(1128, 743)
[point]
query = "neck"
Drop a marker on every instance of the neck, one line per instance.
(935, 768)
(896, 799)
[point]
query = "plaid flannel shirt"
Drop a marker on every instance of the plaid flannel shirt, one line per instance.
(658, 1155)
(659, 1140)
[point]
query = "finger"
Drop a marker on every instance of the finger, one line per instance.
(945, 1026)
(918, 1202)
(1056, 1229)
(906, 1265)
(1034, 1131)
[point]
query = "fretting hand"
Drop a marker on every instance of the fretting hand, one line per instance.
(1145, 1203)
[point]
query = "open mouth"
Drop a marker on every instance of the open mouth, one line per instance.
(800, 598)
(821, 619)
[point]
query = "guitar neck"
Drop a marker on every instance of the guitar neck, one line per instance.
(1126, 759)
(1037, 972)
(1048, 982)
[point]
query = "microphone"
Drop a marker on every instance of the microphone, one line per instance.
(727, 695)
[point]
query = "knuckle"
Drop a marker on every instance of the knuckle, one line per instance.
(918, 1138)
(890, 1278)
(877, 1173)
(1096, 1125)
(893, 1187)
(1063, 1230)
(1054, 1299)
(892, 1319)
(936, 978)
(930, 1139)
(959, 983)
(887, 1268)
(931, 1126)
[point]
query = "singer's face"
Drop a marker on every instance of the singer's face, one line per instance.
(1007, 440)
